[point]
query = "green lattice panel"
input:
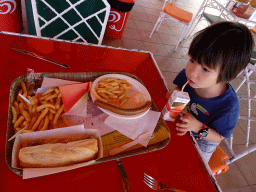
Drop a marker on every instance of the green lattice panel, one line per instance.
(75, 20)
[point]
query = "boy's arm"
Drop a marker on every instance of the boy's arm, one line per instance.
(213, 136)
(190, 123)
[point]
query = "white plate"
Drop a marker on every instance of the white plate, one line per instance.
(137, 85)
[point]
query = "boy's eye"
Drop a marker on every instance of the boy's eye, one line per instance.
(205, 69)
(191, 60)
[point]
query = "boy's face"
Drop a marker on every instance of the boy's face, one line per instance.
(201, 76)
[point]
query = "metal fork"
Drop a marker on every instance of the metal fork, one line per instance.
(156, 185)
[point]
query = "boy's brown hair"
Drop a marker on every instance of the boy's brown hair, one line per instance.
(225, 44)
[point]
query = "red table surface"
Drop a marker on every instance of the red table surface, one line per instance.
(177, 165)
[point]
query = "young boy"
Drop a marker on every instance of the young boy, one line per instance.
(217, 54)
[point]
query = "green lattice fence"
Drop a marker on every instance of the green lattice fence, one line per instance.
(75, 20)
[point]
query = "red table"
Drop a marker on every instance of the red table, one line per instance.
(177, 165)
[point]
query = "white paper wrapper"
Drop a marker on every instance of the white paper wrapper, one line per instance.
(75, 133)
(133, 128)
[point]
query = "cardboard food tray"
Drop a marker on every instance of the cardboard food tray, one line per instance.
(81, 77)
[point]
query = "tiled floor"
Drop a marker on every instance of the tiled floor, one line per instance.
(241, 175)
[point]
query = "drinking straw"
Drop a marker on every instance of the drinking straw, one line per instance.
(183, 87)
(25, 99)
(18, 133)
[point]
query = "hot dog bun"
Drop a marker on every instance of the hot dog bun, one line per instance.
(123, 111)
(58, 154)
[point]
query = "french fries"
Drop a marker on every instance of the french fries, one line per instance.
(44, 112)
(112, 90)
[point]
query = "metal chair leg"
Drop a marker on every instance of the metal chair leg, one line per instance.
(158, 22)
(240, 85)
(249, 107)
(181, 37)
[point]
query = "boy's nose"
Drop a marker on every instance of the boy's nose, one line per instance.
(195, 71)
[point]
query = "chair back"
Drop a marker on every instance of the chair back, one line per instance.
(172, 12)
(220, 160)
(248, 98)
(212, 11)
(165, 2)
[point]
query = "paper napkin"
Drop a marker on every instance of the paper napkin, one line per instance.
(72, 93)
(92, 122)
(133, 128)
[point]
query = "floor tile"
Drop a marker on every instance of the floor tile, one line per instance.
(152, 11)
(131, 33)
(240, 189)
(153, 19)
(132, 44)
(185, 43)
(247, 165)
(168, 39)
(145, 3)
(143, 25)
(138, 8)
(156, 48)
(232, 179)
(165, 29)
(243, 125)
(145, 36)
(180, 63)
(179, 53)
(243, 108)
(130, 23)
(139, 16)
(158, 3)
(253, 132)
(177, 29)
(111, 42)
(166, 64)
(169, 77)
(253, 187)
(239, 136)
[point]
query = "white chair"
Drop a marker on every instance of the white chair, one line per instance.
(217, 10)
(172, 12)
(211, 11)
(248, 71)
(219, 161)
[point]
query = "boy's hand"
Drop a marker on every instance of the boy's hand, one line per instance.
(188, 123)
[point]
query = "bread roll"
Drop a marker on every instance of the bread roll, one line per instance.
(58, 154)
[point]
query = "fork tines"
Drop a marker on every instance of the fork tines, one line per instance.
(149, 181)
